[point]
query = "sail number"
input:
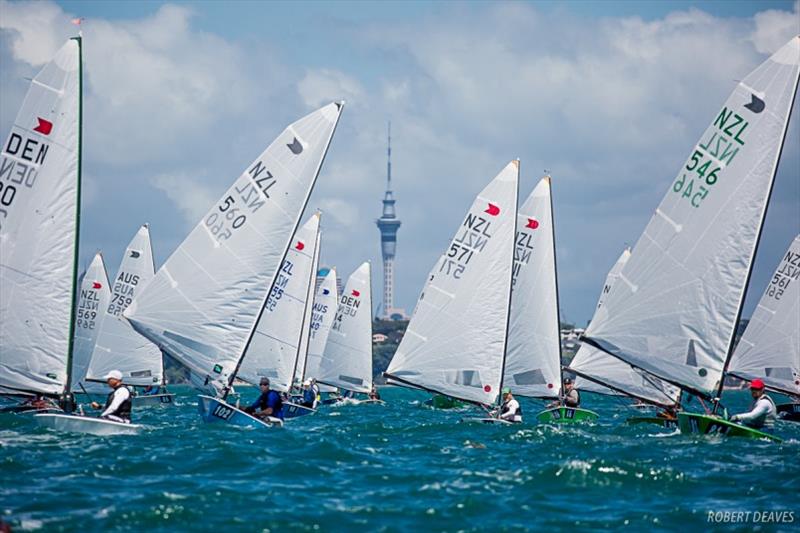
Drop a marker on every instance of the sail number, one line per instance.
(711, 155)
(22, 157)
(788, 271)
(226, 218)
(472, 238)
(279, 288)
(223, 412)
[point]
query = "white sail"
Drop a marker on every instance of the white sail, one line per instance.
(347, 360)
(533, 359)
(119, 346)
(203, 303)
(455, 342)
(326, 303)
(674, 309)
(92, 302)
(39, 202)
(273, 351)
(770, 346)
(300, 364)
(601, 367)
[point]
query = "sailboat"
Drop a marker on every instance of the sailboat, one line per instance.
(770, 346)
(204, 303)
(276, 344)
(601, 373)
(308, 314)
(455, 342)
(118, 346)
(326, 303)
(674, 309)
(92, 303)
(533, 362)
(346, 362)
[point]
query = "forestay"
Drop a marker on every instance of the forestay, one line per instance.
(533, 361)
(455, 342)
(203, 303)
(39, 202)
(600, 367)
(274, 349)
(347, 360)
(92, 302)
(674, 309)
(770, 346)
(323, 311)
(119, 346)
(300, 363)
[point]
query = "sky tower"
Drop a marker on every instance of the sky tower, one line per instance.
(388, 225)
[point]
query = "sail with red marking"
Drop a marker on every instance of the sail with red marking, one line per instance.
(276, 344)
(455, 343)
(39, 193)
(92, 302)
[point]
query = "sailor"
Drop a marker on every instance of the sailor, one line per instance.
(763, 411)
(571, 397)
(118, 404)
(669, 412)
(310, 393)
(510, 410)
(269, 402)
(374, 394)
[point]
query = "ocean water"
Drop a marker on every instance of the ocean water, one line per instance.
(398, 467)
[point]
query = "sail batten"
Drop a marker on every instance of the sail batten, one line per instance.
(674, 315)
(457, 344)
(206, 317)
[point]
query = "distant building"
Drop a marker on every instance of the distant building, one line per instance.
(388, 225)
(379, 338)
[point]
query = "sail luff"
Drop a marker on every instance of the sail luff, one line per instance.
(555, 275)
(73, 298)
(310, 189)
(757, 240)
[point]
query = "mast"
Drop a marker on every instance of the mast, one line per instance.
(510, 288)
(729, 354)
(555, 277)
(232, 377)
(309, 298)
(67, 400)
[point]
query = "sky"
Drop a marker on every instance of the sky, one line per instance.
(610, 97)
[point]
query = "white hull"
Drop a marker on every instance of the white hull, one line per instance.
(489, 420)
(86, 424)
(214, 410)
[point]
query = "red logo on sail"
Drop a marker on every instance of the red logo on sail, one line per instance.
(356, 293)
(532, 223)
(299, 245)
(487, 388)
(96, 285)
(492, 210)
(44, 127)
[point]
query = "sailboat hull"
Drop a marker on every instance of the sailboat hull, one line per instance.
(294, 410)
(697, 423)
(657, 420)
(489, 420)
(153, 399)
(566, 415)
(789, 412)
(439, 401)
(214, 410)
(86, 424)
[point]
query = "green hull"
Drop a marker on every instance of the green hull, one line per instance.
(439, 401)
(710, 425)
(566, 415)
(657, 420)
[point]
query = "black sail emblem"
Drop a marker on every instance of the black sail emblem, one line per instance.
(135, 254)
(295, 147)
(756, 104)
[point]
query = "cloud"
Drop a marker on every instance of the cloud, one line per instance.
(773, 28)
(192, 199)
(322, 86)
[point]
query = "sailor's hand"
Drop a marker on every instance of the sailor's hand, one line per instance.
(734, 418)
(95, 405)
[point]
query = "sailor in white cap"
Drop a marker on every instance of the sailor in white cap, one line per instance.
(310, 393)
(118, 404)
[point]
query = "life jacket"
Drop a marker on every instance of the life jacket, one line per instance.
(577, 395)
(124, 410)
(516, 415)
(767, 420)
